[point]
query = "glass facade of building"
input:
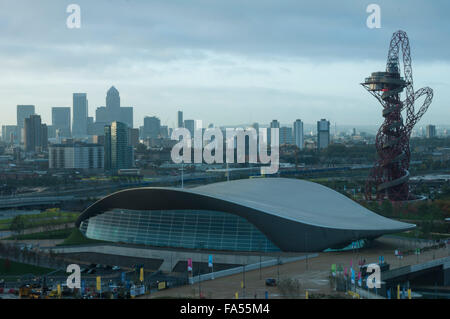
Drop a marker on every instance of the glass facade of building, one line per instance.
(178, 228)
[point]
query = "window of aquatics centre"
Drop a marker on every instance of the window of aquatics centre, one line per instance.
(191, 229)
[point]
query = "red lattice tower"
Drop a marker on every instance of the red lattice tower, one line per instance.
(389, 177)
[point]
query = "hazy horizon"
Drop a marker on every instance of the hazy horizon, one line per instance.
(226, 63)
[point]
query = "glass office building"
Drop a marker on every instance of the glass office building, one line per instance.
(192, 229)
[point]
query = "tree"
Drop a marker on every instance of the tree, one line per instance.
(387, 208)
(17, 224)
(7, 265)
(141, 148)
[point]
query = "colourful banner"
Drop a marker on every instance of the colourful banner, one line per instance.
(162, 285)
(141, 276)
(352, 275)
(189, 264)
(58, 288)
(99, 283)
(210, 261)
(333, 270)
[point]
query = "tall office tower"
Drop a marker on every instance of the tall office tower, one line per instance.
(10, 134)
(164, 131)
(298, 134)
(35, 134)
(118, 154)
(126, 115)
(255, 126)
(101, 115)
(133, 137)
(190, 126)
(180, 119)
(286, 136)
(431, 131)
(273, 124)
(112, 99)
(323, 134)
(152, 127)
(107, 148)
(80, 115)
(23, 112)
(113, 105)
(61, 120)
(113, 111)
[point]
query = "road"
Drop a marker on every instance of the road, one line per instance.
(313, 275)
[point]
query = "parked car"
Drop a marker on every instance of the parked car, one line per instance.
(271, 282)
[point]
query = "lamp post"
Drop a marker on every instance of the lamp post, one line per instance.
(278, 268)
(259, 249)
(200, 245)
(243, 282)
(182, 175)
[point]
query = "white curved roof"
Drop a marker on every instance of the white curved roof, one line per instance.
(300, 201)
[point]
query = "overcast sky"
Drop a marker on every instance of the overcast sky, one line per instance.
(221, 61)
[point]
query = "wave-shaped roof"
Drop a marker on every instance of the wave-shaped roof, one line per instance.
(300, 201)
(296, 215)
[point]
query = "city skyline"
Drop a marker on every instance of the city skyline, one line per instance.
(96, 124)
(301, 63)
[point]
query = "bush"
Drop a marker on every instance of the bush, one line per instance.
(290, 287)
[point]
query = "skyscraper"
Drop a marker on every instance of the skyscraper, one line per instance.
(23, 112)
(112, 99)
(164, 131)
(80, 115)
(113, 111)
(298, 134)
(133, 137)
(180, 119)
(10, 134)
(35, 134)
(152, 127)
(273, 124)
(126, 115)
(190, 126)
(118, 152)
(286, 136)
(61, 120)
(323, 134)
(431, 131)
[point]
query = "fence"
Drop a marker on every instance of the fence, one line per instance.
(240, 269)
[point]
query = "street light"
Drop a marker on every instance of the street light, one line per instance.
(259, 249)
(200, 245)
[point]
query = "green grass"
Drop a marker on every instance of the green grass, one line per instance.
(77, 238)
(421, 235)
(16, 268)
(52, 234)
(49, 217)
